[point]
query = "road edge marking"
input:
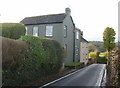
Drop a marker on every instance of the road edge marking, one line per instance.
(101, 76)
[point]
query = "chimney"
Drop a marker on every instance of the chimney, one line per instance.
(68, 11)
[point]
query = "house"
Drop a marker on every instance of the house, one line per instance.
(59, 27)
(84, 51)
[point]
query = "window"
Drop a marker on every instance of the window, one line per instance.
(65, 31)
(77, 35)
(77, 51)
(26, 31)
(35, 31)
(49, 31)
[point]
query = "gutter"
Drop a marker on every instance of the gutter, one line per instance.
(74, 43)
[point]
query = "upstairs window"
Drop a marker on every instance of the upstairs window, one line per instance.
(49, 31)
(77, 34)
(35, 31)
(26, 31)
(65, 31)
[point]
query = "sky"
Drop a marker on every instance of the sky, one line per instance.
(90, 16)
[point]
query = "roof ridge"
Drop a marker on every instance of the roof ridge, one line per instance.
(45, 15)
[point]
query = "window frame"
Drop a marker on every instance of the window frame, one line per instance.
(34, 34)
(65, 31)
(77, 35)
(26, 28)
(46, 31)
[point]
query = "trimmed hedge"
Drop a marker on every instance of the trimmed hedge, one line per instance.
(12, 30)
(11, 48)
(101, 60)
(74, 64)
(41, 57)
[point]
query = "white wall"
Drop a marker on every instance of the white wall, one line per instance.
(84, 52)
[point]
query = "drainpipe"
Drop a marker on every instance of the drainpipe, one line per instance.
(74, 44)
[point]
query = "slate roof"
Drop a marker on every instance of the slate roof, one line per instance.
(84, 40)
(45, 19)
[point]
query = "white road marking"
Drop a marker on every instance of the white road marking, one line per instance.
(97, 84)
(100, 76)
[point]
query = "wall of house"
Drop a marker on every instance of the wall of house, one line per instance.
(84, 52)
(69, 39)
(57, 32)
(77, 46)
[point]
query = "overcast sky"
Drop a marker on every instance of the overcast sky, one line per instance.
(91, 16)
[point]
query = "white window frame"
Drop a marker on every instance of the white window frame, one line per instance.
(77, 34)
(49, 31)
(26, 30)
(35, 31)
(65, 31)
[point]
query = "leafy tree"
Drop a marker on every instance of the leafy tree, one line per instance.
(109, 45)
(109, 38)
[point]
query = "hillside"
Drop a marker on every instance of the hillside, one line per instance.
(98, 44)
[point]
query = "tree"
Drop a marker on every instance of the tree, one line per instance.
(109, 45)
(109, 38)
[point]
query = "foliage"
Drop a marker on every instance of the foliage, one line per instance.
(92, 55)
(102, 54)
(40, 58)
(12, 30)
(11, 49)
(109, 38)
(101, 60)
(74, 64)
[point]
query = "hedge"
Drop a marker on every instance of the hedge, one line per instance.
(40, 58)
(12, 53)
(75, 64)
(12, 30)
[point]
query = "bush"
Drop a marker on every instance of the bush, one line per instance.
(74, 64)
(12, 52)
(40, 58)
(11, 48)
(101, 60)
(92, 55)
(53, 51)
(12, 30)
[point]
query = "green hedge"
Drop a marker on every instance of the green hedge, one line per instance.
(12, 30)
(75, 64)
(42, 57)
(101, 60)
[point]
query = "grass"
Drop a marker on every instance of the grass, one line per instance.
(74, 64)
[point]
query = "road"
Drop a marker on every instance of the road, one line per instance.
(88, 76)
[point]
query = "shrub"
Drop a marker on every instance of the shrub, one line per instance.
(12, 52)
(40, 58)
(75, 64)
(12, 30)
(101, 60)
(11, 48)
(92, 55)
(53, 54)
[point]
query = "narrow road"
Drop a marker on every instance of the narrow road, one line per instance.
(88, 76)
